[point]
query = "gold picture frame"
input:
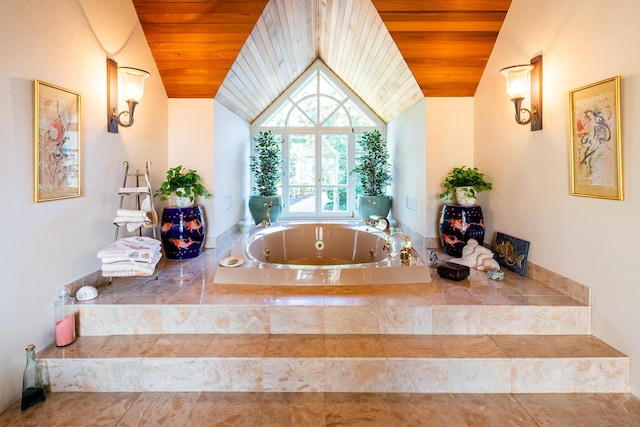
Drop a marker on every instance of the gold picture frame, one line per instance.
(57, 143)
(596, 140)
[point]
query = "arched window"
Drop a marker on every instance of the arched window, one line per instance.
(318, 120)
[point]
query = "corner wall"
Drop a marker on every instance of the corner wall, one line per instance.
(591, 241)
(50, 244)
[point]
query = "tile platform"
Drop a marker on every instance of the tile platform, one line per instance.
(182, 351)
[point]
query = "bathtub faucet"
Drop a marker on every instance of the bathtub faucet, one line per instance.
(405, 252)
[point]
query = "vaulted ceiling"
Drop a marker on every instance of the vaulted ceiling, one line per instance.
(245, 53)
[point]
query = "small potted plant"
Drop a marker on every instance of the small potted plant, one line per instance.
(374, 174)
(183, 184)
(265, 204)
(465, 183)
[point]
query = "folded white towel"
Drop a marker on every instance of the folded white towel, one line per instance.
(135, 247)
(133, 265)
(132, 213)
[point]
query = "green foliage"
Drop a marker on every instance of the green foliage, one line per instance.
(266, 164)
(464, 177)
(373, 169)
(186, 179)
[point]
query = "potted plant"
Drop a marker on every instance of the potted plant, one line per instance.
(374, 174)
(183, 184)
(465, 183)
(265, 164)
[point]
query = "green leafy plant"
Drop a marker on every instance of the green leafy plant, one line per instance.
(266, 164)
(464, 177)
(183, 183)
(373, 169)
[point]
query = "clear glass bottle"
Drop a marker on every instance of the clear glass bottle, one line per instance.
(65, 318)
(32, 390)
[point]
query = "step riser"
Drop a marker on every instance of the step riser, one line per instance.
(575, 375)
(101, 320)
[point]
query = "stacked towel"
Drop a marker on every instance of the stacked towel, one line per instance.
(130, 256)
(134, 219)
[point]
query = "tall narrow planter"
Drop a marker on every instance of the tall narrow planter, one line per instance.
(258, 208)
(373, 205)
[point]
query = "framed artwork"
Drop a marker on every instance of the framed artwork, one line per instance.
(511, 253)
(57, 145)
(596, 141)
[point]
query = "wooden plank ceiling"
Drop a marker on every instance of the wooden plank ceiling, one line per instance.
(245, 53)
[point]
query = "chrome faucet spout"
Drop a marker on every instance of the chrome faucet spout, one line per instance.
(268, 221)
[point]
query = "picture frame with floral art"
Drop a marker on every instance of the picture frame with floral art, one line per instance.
(57, 143)
(596, 140)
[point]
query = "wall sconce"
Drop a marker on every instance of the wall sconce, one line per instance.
(132, 89)
(523, 80)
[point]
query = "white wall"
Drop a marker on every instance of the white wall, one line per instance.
(589, 240)
(191, 145)
(449, 144)
(47, 245)
(232, 145)
(426, 141)
(406, 140)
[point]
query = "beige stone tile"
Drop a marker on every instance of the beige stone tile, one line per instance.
(559, 346)
(354, 346)
(406, 320)
(418, 376)
(289, 375)
(602, 375)
(300, 320)
(449, 320)
(232, 375)
(366, 376)
(542, 375)
(62, 409)
(159, 409)
(512, 320)
(352, 320)
(382, 409)
(565, 320)
(479, 376)
(583, 409)
(219, 345)
(225, 409)
(291, 409)
(289, 346)
(492, 410)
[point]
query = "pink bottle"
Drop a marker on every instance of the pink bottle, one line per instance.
(65, 318)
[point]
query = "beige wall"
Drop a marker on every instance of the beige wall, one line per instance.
(588, 240)
(191, 146)
(48, 245)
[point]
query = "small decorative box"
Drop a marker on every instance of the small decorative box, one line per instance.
(495, 274)
(453, 271)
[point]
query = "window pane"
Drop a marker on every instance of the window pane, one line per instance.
(334, 159)
(310, 88)
(327, 106)
(357, 118)
(302, 199)
(302, 159)
(338, 119)
(327, 88)
(298, 119)
(334, 199)
(310, 106)
(279, 118)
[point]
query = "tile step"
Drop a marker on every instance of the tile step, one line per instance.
(298, 317)
(338, 363)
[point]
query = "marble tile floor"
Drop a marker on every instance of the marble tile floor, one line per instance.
(327, 409)
(191, 282)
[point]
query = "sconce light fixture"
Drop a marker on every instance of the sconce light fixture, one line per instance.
(523, 80)
(132, 90)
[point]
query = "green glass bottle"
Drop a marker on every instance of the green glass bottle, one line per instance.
(32, 390)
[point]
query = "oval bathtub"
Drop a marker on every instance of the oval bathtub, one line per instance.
(321, 254)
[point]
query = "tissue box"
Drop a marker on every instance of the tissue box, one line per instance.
(453, 271)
